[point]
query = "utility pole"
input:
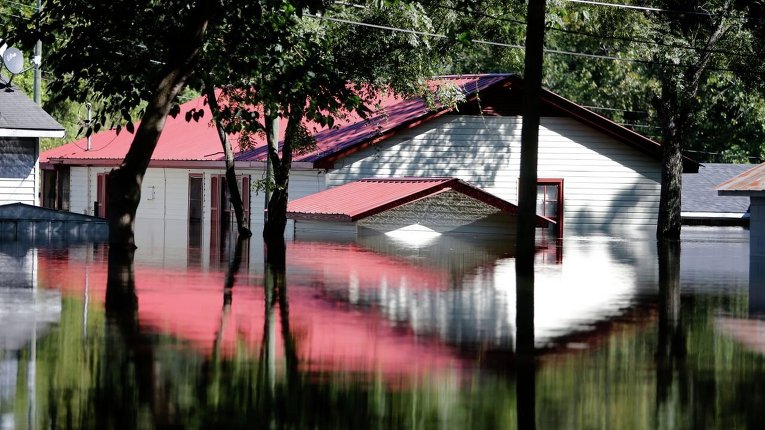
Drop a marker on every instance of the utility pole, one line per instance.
(37, 61)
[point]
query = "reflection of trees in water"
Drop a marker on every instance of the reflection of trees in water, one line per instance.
(119, 376)
(525, 357)
(131, 373)
(671, 364)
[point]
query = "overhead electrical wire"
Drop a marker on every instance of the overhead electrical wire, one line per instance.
(587, 34)
(19, 4)
(653, 9)
(510, 45)
(640, 8)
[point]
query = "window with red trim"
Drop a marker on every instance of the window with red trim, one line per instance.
(550, 201)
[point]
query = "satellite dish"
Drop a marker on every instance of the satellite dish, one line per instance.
(13, 60)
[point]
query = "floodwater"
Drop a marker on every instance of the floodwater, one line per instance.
(383, 333)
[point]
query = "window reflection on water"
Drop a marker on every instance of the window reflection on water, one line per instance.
(380, 333)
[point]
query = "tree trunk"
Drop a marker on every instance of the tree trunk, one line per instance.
(674, 119)
(527, 188)
(277, 209)
(674, 108)
(125, 181)
(233, 186)
(273, 230)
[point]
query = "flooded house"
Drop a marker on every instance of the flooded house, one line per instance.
(22, 123)
(595, 176)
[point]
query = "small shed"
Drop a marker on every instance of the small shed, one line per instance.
(751, 183)
(19, 221)
(405, 205)
(22, 123)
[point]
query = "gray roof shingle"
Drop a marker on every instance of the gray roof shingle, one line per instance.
(19, 112)
(699, 193)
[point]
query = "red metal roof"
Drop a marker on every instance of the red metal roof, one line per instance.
(357, 200)
(183, 140)
(198, 141)
(749, 182)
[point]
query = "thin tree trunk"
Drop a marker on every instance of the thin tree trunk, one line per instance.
(273, 230)
(532, 83)
(125, 181)
(233, 186)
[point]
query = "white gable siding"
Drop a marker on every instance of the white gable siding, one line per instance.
(18, 168)
(609, 187)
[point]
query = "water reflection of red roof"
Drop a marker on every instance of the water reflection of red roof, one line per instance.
(330, 336)
(350, 264)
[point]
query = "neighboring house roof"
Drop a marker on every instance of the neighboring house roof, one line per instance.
(21, 117)
(750, 182)
(699, 194)
(361, 199)
(198, 141)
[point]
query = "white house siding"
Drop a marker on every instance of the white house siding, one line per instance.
(162, 221)
(18, 170)
(609, 187)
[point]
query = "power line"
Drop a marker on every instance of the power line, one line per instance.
(643, 8)
(651, 9)
(18, 4)
(513, 46)
(15, 16)
(613, 109)
(593, 35)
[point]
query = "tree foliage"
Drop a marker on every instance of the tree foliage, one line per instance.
(301, 68)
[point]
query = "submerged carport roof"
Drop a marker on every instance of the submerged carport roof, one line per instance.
(361, 199)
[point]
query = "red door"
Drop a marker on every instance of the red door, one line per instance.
(102, 194)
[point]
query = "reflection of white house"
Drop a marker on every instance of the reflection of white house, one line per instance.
(595, 175)
(464, 291)
(22, 122)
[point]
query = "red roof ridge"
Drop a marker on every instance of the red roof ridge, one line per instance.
(409, 179)
(359, 199)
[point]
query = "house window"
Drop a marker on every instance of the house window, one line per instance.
(195, 197)
(550, 201)
(55, 188)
